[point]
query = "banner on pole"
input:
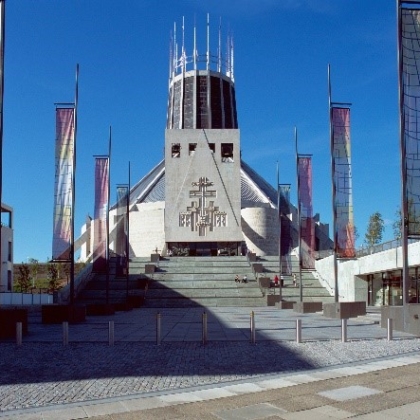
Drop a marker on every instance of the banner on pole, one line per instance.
(286, 236)
(64, 172)
(410, 110)
(307, 226)
(342, 183)
(121, 229)
(100, 239)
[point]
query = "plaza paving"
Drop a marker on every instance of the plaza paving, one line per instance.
(184, 378)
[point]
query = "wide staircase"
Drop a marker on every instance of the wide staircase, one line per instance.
(312, 290)
(122, 292)
(176, 282)
(202, 281)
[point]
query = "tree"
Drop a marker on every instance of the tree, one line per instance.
(54, 275)
(375, 230)
(24, 278)
(34, 268)
(397, 224)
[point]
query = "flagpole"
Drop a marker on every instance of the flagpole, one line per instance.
(403, 151)
(298, 219)
(127, 237)
(2, 43)
(333, 194)
(107, 216)
(73, 196)
(279, 217)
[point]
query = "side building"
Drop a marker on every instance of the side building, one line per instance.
(6, 281)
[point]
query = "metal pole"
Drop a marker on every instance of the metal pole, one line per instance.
(65, 333)
(280, 219)
(344, 330)
(298, 219)
(252, 327)
(204, 328)
(389, 329)
(333, 195)
(2, 35)
(107, 217)
(158, 328)
(73, 196)
(404, 199)
(111, 337)
(18, 333)
(298, 331)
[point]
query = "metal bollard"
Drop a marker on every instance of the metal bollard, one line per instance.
(18, 333)
(158, 328)
(390, 327)
(204, 328)
(65, 333)
(111, 333)
(252, 327)
(343, 330)
(298, 331)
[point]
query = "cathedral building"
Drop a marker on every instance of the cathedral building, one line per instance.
(202, 198)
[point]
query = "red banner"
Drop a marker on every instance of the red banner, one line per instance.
(342, 183)
(63, 197)
(307, 227)
(100, 229)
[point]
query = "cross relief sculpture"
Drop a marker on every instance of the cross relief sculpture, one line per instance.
(202, 215)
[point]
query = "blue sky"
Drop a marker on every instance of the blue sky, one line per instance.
(282, 50)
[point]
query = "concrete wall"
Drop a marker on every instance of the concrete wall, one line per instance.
(25, 299)
(147, 229)
(260, 228)
(6, 281)
(352, 274)
(220, 202)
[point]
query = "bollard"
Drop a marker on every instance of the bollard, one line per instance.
(111, 333)
(158, 328)
(65, 333)
(298, 331)
(389, 325)
(204, 328)
(343, 330)
(252, 327)
(18, 333)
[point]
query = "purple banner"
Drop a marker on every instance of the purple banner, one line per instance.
(286, 235)
(342, 183)
(63, 196)
(307, 226)
(100, 238)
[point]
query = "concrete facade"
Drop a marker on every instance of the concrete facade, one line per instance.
(6, 281)
(202, 186)
(352, 274)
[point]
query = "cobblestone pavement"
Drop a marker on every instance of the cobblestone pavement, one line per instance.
(42, 372)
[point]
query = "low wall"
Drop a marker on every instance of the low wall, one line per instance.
(396, 313)
(20, 299)
(344, 310)
(307, 307)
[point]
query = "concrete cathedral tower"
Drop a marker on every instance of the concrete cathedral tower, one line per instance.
(202, 154)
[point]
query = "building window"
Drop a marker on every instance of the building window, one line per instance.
(9, 280)
(176, 150)
(191, 148)
(212, 147)
(9, 251)
(227, 152)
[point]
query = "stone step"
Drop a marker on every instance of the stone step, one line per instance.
(205, 302)
(192, 293)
